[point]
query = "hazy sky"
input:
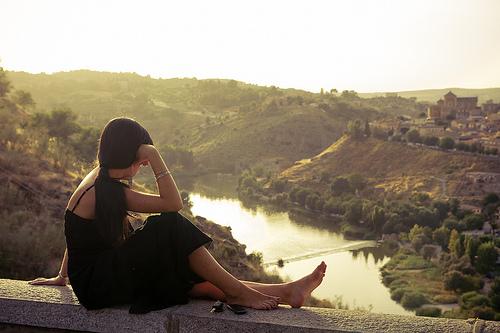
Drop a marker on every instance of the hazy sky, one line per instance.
(370, 45)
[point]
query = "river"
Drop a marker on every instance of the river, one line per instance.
(353, 265)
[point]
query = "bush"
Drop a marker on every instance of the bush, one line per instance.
(414, 262)
(445, 299)
(428, 251)
(471, 299)
(430, 311)
(388, 279)
(495, 293)
(486, 257)
(456, 281)
(473, 221)
(396, 284)
(483, 312)
(413, 299)
(446, 143)
(398, 293)
(441, 236)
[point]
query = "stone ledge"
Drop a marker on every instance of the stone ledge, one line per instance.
(57, 308)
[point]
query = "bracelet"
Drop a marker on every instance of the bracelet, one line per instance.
(62, 277)
(163, 173)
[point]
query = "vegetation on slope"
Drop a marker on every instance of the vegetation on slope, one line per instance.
(227, 125)
(395, 167)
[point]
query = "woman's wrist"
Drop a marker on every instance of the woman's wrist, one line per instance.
(162, 173)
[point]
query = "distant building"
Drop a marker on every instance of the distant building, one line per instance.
(489, 107)
(432, 130)
(451, 107)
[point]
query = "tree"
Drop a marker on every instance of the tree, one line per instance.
(367, 131)
(473, 221)
(85, 143)
(490, 198)
(302, 195)
(60, 123)
(354, 129)
(446, 143)
(378, 217)
(357, 181)
(495, 294)
(471, 245)
(454, 205)
(413, 136)
(454, 245)
(486, 257)
(23, 98)
(457, 281)
(430, 141)
(311, 200)
(441, 236)
(428, 251)
(353, 211)
(418, 237)
(442, 208)
(4, 83)
(340, 186)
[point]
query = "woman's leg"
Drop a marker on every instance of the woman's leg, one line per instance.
(292, 293)
(205, 265)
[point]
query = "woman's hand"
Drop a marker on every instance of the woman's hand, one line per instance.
(144, 153)
(55, 281)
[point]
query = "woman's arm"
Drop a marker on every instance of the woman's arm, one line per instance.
(60, 279)
(169, 198)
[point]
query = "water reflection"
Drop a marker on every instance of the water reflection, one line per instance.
(302, 243)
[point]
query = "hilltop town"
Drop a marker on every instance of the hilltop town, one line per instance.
(472, 127)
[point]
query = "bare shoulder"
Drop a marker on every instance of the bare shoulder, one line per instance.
(86, 192)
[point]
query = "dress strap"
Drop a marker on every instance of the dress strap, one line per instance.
(78, 201)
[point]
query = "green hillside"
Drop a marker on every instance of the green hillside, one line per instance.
(228, 125)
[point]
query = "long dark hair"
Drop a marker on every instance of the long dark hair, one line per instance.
(118, 144)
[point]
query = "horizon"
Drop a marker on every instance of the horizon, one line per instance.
(359, 45)
(249, 83)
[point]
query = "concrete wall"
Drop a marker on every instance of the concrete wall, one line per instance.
(48, 308)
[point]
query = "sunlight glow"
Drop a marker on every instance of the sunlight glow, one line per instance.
(363, 45)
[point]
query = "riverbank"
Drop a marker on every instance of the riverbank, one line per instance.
(352, 279)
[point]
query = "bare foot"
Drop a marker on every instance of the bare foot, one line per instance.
(252, 298)
(300, 290)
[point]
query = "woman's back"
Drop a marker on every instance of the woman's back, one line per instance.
(82, 201)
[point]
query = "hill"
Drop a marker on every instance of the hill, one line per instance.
(397, 168)
(432, 95)
(228, 125)
(35, 188)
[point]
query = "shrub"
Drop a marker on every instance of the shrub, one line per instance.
(446, 143)
(495, 293)
(445, 299)
(413, 299)
(473, 221)
(483, 312)
(398, 293)
(456, 281)
(486, 257)
(430, 311)
(414, 262)
(428, 251)
(441, 236)
(399, 283)
(386, 280)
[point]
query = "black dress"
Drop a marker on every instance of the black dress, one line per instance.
(149, 270)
